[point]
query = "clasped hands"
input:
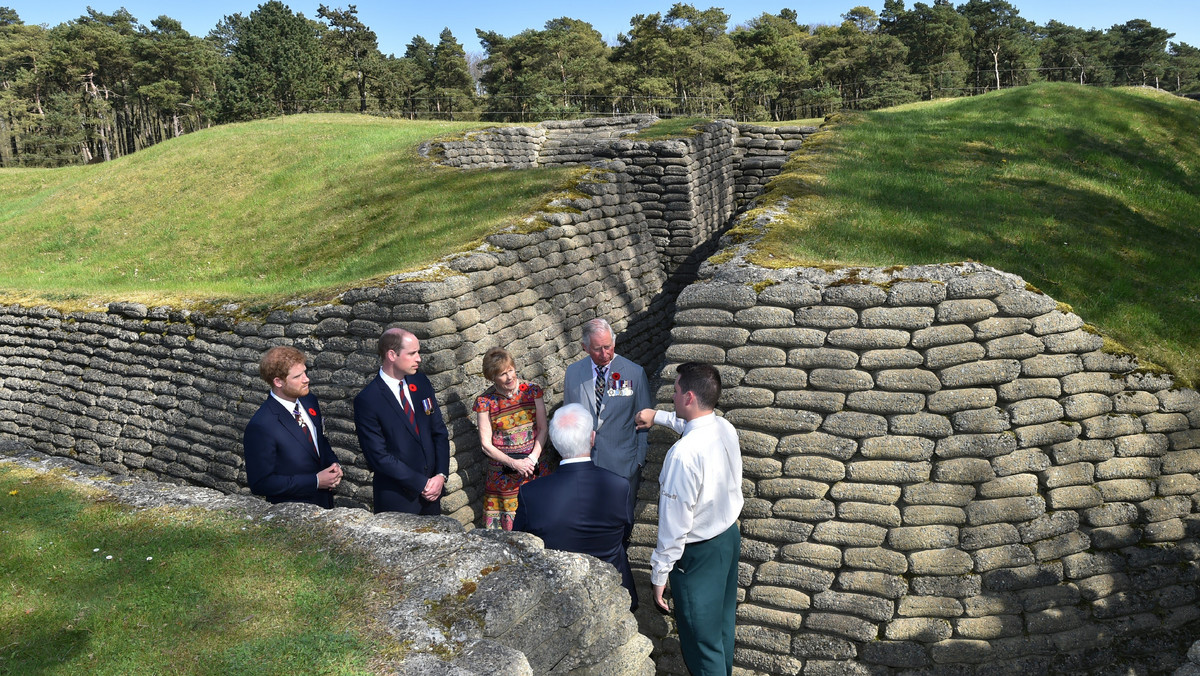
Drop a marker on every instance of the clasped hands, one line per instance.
(525, 467)
(330, 477)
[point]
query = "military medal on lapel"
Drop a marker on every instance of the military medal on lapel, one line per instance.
(618, 387)
(428, 404)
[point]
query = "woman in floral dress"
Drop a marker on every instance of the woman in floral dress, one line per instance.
(512, 431)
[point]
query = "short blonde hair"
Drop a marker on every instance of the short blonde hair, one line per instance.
(496, 361)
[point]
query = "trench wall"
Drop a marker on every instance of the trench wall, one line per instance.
(944, 473)
(167, 392)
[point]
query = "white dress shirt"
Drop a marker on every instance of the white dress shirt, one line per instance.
(700, 487)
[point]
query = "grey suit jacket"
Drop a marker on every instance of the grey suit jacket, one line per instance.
(620, 447)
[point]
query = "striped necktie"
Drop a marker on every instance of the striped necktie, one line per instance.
(307, 432)
(600, 370)
(408, 409)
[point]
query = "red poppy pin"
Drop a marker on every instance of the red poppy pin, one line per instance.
(312, 411)
(412, 388)
(616, 376)
(523, 387)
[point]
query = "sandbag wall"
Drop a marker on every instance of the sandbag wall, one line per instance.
(944, 473)
(762, 151)
(167, 392)
(556, 142)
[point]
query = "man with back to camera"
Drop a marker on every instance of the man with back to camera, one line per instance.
(613, 389)
(401, 431)
(288, 458)
(581, 507)
(700, 498)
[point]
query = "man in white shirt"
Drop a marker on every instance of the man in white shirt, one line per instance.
(700, 498)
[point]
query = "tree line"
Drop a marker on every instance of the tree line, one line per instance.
(105, 85)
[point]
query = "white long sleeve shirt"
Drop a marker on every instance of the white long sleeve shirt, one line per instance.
(700, 487)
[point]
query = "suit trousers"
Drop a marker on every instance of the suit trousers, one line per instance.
(704, 588)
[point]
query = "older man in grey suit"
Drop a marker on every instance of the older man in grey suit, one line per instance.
(613, 389)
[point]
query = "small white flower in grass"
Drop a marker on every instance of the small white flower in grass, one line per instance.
(149, 558)
(108, 558)
(95, 550)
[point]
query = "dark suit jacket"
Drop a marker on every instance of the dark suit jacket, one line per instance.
(580, 508)
(402, 458)
(281, 464)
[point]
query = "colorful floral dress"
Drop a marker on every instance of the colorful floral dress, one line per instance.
(514, 431)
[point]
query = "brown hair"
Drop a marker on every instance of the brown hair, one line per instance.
(702, 380)
(392, 339)
(277, 362)
(494, 362)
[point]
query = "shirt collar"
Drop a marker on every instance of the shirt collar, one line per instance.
(702, 421)
(571, 461)
(391, 382)
(289, 405)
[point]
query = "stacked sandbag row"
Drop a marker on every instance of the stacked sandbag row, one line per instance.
(762, 152)
(685, 189)
(570, 142)
(943, 470)
(492, 148)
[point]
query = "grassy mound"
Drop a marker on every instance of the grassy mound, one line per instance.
(1092, 195)
(93, 587)
(268, 209)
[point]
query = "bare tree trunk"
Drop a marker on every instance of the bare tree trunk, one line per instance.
(175, 124)
(996, 65)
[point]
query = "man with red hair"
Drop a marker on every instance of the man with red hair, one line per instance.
(288, 458)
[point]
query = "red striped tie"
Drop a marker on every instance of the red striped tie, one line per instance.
(408, 409)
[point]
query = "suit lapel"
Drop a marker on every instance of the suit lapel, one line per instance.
(288, 420)
(390, 397)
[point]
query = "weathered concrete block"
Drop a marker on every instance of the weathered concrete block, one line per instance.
(1005, 509)
(907, 380)
(953, 401)
(849, 534)
(922, 629)
(892, 447)
(965, 311)
(963, 471)
(974, 374)
(977, 445)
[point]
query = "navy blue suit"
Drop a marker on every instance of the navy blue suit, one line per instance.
(580, 508)
(402, 458)
(281, 464)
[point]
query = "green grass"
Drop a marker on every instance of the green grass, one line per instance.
(670, 128)
(88, 586)
(1092, 195)
(306, 204)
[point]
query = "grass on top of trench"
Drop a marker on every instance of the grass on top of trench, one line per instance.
(670, 128)
(90, 586)
(271, 209)
(1092, 195)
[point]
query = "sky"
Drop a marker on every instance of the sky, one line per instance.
(395, 22)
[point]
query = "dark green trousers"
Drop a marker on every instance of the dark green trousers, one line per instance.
(704, 588)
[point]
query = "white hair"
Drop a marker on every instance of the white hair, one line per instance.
(571, 431)
(594, 326)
